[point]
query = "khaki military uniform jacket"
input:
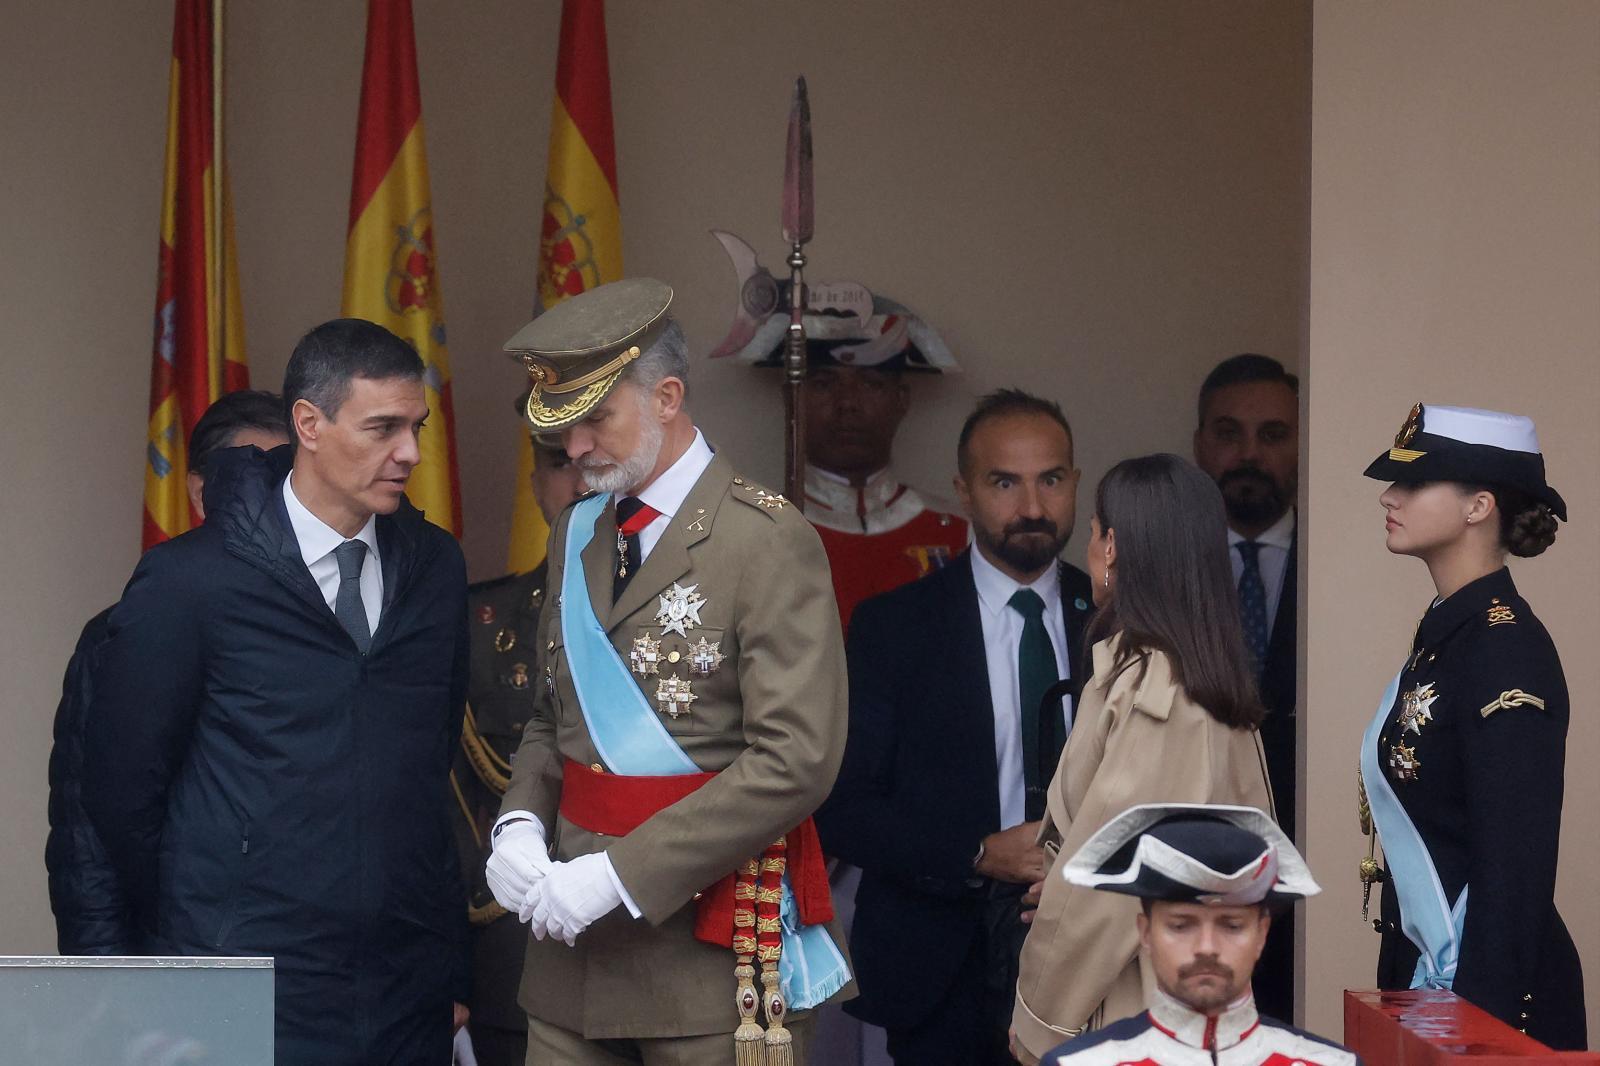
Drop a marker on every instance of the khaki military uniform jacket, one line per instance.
(1137, 738)
(769, 721)
(501, 686)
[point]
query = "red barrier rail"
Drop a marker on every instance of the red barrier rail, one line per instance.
(1424, 1027)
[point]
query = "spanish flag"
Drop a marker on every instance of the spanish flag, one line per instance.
(199, 346)
(391, 276)
(580, 241)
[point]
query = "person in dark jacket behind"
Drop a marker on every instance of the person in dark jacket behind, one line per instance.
(267, 754)
(91, 909)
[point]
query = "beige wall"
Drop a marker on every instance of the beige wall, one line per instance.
(1455, 258)
(1094, 200)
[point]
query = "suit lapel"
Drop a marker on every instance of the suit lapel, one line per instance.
(600, 558)
(1283, 625)
(669, 559)
(968, 656)
(1073, 618)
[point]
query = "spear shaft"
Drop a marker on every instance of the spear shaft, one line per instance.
(797, 230)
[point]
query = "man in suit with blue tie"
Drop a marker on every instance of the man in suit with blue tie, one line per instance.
(960, 705)
(1248, 440)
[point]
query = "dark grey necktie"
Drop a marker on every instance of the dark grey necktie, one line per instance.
(347, 605)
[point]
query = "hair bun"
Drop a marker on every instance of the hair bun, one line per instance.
(1531, 532)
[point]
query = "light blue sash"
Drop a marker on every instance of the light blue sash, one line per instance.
(630, 739)
(1426, 916)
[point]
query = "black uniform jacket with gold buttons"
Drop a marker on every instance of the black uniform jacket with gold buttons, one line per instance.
(1479, 771)
(500, 690)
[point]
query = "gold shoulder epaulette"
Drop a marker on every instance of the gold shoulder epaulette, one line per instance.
(1512, 698)
(756, 496)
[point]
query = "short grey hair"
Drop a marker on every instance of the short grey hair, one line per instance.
(668, 357)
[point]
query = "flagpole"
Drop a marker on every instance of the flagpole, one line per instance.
(219, 226)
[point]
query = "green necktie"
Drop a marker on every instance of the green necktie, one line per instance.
(1041, 729)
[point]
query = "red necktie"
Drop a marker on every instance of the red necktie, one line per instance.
(633, 514)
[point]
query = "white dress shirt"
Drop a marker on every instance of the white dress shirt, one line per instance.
(317, 540)
(1002, 637)
(1273, 559)
(666, 494)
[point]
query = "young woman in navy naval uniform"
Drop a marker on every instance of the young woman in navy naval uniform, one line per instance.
(1462, 765)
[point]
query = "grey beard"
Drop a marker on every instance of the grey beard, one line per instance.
(624, 477)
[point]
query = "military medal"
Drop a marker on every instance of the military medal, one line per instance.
(622, 555)
(1404, 762)
(505, 640)
(674, 695)
(519, 676)
(645, 658)
(1416, 708)
(704, 657)
(680, 607)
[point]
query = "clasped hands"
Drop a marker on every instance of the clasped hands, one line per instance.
(557, 899)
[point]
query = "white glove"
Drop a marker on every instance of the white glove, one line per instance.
(519, 860)
(571, 897)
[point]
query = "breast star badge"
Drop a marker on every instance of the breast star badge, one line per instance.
(1416, 708)
(673, 695)
(645, 658)
(704, 657)
(680, 607)
(1403, 762)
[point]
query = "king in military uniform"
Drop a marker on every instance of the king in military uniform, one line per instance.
(505, 620)
(656, 832)
(1463, 763)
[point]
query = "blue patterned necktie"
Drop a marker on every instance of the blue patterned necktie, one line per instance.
(347, 605)
(1253, 602)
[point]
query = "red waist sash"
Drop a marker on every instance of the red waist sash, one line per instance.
(615, 805)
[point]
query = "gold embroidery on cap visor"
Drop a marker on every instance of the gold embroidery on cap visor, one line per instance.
(554, 404)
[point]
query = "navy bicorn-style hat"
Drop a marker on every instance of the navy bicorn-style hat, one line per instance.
(1466, 444)
(1193, 853)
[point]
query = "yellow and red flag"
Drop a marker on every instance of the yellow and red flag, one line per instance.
(580, 240)
(199, 346)
(391, 276)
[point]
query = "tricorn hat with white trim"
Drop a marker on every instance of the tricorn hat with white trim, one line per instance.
(1193, 853)
(1466, 444)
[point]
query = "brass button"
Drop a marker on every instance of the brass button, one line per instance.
(1527, 997)
(1523, 1016)
(550, 645)
(597, 768)
(673, 656)
(698, 896)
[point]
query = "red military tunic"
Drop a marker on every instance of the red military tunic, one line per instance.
(879, 535)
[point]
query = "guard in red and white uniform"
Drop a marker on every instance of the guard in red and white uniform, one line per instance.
(879, 532)
(1209, 877)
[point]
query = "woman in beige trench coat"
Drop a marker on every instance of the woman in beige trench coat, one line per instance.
(1169, 715)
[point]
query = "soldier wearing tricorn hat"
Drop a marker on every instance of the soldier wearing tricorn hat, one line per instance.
(1208, 877)
(690, 716)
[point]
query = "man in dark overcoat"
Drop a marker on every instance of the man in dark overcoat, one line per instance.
(268, 751)
(90, 906)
